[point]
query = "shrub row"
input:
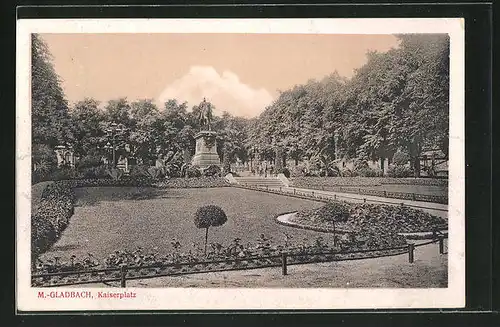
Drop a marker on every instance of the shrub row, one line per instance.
(364, 181)
(199, 182)
(51, 217)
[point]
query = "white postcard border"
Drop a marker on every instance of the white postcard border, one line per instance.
(252, 299)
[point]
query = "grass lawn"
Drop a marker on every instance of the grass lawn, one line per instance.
(107, 219)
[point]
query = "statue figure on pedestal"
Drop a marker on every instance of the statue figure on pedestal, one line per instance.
(205, 117)
(206, 144)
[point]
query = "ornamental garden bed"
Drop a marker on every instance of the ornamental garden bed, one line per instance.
(236, 256)
(374, 225)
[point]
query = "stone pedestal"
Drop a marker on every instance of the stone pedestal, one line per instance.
(206, 150)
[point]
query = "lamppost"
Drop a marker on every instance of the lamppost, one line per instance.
(112, 131)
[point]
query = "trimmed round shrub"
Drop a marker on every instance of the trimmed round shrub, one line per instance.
(208, 216)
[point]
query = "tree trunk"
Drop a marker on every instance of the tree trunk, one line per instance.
(382, 165)
(334, 238)
(416, 166)
(206, 240)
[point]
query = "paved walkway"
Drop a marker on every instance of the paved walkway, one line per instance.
(437, 209)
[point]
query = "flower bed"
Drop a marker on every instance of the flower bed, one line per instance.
(375, 225)
(234, 256)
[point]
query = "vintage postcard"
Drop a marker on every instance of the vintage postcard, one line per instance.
(252, 164)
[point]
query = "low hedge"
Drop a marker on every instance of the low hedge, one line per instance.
(198, 182)
(364, 181)
(51, 217)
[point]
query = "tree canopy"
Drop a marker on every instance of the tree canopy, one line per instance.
(396, 102)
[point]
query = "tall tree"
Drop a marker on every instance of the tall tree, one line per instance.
(49, 109)
(87, 130)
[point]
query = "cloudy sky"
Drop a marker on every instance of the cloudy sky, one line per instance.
(238, 73)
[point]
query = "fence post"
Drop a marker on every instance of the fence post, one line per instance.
(414, 197)
(294, 191)
(123, 272)
(280, 188)
(411, 248)
(385, 194)
(441, 244)
(402, 204)
(335, 197)
(283, 264)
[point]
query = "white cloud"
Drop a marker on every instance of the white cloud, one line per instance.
(226, 92)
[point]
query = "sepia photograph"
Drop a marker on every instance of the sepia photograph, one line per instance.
(240, 165)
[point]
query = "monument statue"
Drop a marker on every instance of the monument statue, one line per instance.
(205, 118)
(206, 146)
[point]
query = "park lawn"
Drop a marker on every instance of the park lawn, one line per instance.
(108, 219)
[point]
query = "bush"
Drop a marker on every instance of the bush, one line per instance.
(94, 172)
(360, 164)
(64, 173)
(400, 158)
(139, 171)
(285, 171)
(193, 172)
(52, 217)
(369, 172)
(88, 161)
(155, 172)
(298, 171)
(212, 171)
(399, 171)
(346, 172)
